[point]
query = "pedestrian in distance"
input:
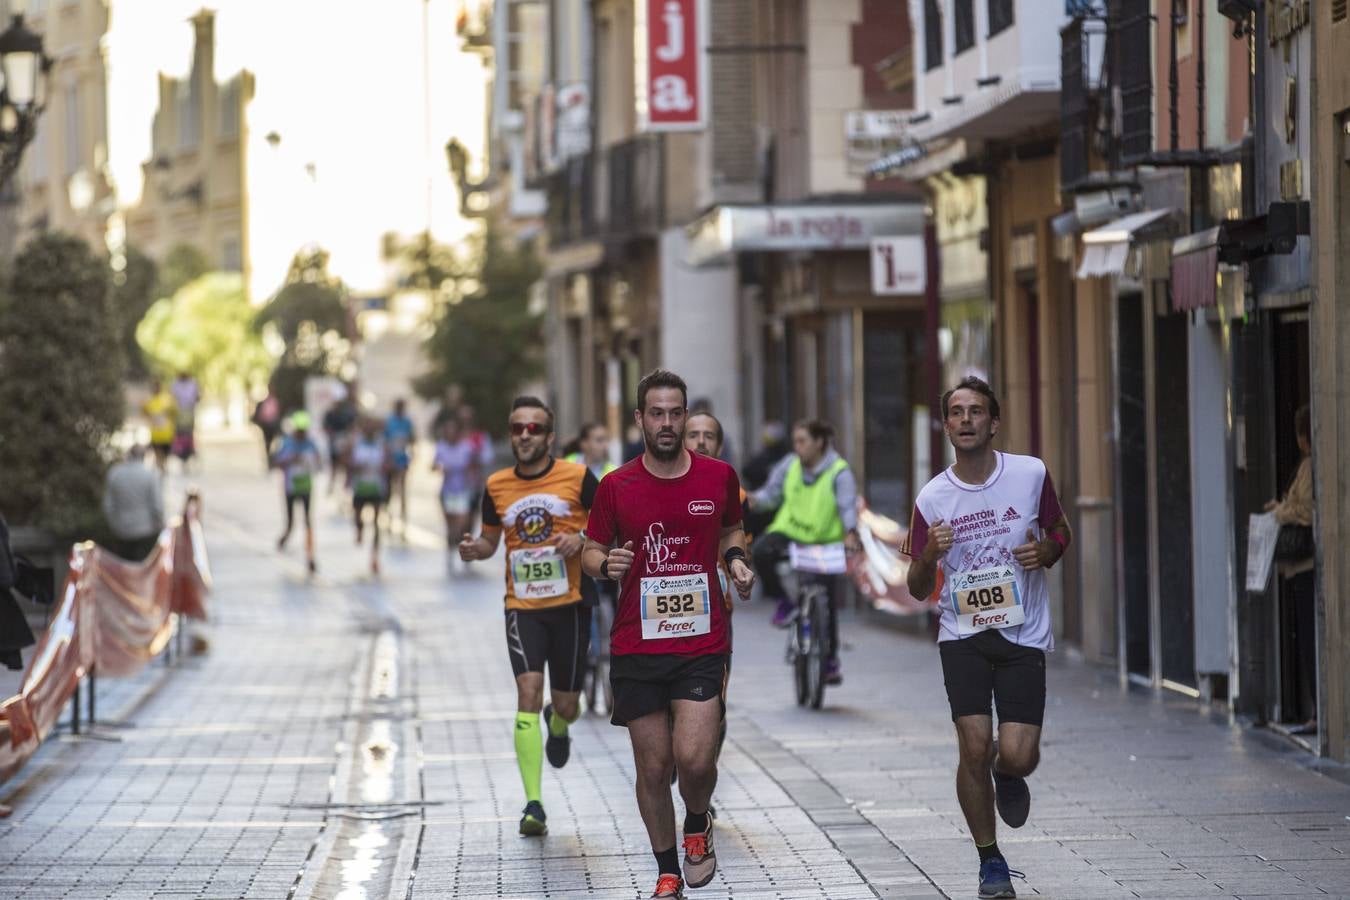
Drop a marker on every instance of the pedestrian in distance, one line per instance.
(539, 506)
(1295, 562)
(703, 435)
(369, 463)
(591, 449)
(161, 413)
(483, 453)
(187, 394)
(338, 422)
(399, 433)
(299, 461)
(457, 461)
(133, 506)
(993, 525)
(267, 416)
(659, 527)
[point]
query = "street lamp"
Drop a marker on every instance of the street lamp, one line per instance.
(23, 68)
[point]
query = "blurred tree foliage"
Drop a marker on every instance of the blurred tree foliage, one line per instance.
(182, 264)
(485, 336)
(206, 328)
(134, 290)
(61, 399)
(310, 317)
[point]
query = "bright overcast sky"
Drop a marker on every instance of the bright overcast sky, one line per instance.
(342, 83)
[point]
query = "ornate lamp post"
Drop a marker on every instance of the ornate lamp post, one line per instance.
(23, 76)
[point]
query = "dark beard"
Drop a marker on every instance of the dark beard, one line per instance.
(533, 459)
(660, 454)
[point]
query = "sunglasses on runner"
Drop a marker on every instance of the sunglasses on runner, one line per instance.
(519, 428)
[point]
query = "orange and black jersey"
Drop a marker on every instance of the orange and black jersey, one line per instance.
(533, 512)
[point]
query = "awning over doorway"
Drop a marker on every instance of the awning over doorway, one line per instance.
(726, 230)
(1106, 249)
(1195, 270)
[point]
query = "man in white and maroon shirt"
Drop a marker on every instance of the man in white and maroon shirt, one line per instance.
(993, 524)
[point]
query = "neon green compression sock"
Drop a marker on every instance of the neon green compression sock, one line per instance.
(557, 725)
(529, 753)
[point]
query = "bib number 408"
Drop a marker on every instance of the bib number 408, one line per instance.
(986, 598)
(675, 604)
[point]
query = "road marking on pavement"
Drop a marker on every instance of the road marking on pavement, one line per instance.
(212, 823)
(465, 757)
(225, 761)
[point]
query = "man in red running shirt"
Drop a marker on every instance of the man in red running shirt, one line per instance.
(658, 526)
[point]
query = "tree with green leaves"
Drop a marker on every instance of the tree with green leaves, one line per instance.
(182, 264)
(485, 337)
(61, 398)
(135, 288)
(310, 316)
(206, 328)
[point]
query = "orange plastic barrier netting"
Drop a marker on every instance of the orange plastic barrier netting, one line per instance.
(113, 617)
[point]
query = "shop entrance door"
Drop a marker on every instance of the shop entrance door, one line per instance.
(1133, 488)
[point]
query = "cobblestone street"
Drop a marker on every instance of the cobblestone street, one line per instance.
(349, 737)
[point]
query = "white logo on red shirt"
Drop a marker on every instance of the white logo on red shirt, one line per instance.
(702, 507)
(661, 554)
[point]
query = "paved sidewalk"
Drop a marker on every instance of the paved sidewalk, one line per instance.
(349, 737)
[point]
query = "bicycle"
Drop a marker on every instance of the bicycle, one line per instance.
(813, 567)
(595, 682)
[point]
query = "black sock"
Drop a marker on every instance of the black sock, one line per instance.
(695, 823)
(989, 852)
(667, 861)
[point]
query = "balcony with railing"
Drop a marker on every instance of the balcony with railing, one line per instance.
(570, 192)
(991, 71)
(636, 180)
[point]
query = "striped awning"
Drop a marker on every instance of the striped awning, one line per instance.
(1195, 270)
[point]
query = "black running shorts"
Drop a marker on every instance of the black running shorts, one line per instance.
(644, 683)
(988, 664)
(559, 636)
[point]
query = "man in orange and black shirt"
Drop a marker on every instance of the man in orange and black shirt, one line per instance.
(541, 506)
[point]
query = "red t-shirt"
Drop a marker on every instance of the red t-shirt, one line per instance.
(675, 525)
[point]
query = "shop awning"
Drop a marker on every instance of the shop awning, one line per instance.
(727, 230)
(1106, 249)
(1195, 269)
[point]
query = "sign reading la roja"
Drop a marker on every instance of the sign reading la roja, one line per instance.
(671, 64)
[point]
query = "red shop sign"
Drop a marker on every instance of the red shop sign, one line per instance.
(672, 64)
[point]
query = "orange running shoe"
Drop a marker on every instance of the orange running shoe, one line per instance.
(700, 863)
(669, 886)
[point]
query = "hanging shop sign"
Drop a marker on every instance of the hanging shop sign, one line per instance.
(670, 63)
(899, 265)
(871, 134)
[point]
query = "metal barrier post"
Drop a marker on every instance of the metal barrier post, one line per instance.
(75, 710)
(93, 692)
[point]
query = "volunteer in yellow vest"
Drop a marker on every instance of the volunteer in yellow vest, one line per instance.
(817, 500)
(541, 505)
(593, 450)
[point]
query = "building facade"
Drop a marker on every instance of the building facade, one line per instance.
(62, 183)
(1329, 340)
(194, 187)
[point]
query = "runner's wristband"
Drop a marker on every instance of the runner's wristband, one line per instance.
(1059, 539)
(604, 569)
(733, 554)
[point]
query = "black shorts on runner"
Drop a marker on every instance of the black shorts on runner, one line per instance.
(988, 664)
(559, 636)
(644, 683)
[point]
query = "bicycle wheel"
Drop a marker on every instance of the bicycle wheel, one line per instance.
(799, 639)
(817, 659)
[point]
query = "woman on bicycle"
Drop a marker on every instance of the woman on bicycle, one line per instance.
(816, 496)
